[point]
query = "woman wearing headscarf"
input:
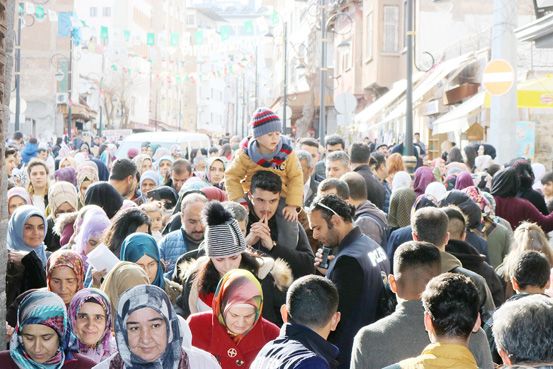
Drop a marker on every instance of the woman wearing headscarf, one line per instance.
(65, 274)
(105, 196)
(67, 174)
(401, 180)
(401, 202)
(91, 232)
(62, 199)
(17, 196)
(215, 172)
(67, 161)
(143, 163)
(144, 313)
(463, 180)
(87, 174)
(437, 190)
(91, 321)
(505, 186)
(499, 237)
(122, 277)
(225, 249)
(149, 180)
(142, 249)
(26, 252)
(235, 331)
(163, 166)
(526, 177)
(423, 177)
(42, 336)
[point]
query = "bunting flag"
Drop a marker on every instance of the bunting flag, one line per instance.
(104, 34)
(174, 39)
(199, 37)
(64, 24)
(150, 39)
(248, 27)
(275, 18)
(127, 35)
(39, 13)
(224, 31)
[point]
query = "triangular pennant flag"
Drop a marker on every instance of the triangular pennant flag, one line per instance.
(39, 12)
(127, 35)
(174, 39)
(150, 39)
(248, 27)
(104, 33)
(199, 37)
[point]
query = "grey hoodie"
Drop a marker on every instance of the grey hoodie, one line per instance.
(372, 222)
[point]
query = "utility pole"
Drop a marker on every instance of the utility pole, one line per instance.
(410, 33)
(100, 96)
(243, 102)
(69, 87)
(322, 76)
(285, 83)
(18, 69)
(256, 80)
(504, 111)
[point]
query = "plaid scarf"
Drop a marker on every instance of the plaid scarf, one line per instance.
(273, 160)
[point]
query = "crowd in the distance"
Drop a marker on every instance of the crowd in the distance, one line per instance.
(263, 252)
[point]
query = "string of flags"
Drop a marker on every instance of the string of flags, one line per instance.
(70, 25)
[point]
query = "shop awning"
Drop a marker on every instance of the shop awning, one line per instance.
(533, 94)
(460, 118)
(537, 30)
(382, 102)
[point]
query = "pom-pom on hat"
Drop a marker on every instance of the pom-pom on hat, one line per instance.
(264, 121)
(223, 236)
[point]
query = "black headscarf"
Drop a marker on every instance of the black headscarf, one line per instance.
(105, 196)
(525, 173)
(464, 202)
(505, 183)
(164, 193)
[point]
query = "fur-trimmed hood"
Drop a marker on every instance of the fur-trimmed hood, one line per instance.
(278, 269)
(63, 220)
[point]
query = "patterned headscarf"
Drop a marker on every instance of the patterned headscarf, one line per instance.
(103, 348)
(88, 171)
(136, 246)
(154, 298)
(237, 286)
(15, 231)
(66, 258)
(95, 223)
(477, 196)
(44, 308)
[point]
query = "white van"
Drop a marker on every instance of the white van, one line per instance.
(186, 140)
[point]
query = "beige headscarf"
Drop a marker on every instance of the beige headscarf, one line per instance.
(122, 277)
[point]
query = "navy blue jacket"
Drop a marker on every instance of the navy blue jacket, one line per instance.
(356, 272)
(297, 347)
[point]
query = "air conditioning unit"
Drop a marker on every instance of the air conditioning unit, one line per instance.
(61, 98)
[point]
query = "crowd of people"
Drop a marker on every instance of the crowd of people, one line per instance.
(265, 252)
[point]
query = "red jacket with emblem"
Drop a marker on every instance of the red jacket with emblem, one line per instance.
(209, 335)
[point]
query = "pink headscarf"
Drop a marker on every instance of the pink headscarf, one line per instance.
(21, 192)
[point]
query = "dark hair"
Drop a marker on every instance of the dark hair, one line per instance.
(356, 184)
(312, 301)
(267, 181)
(524, 329)
(452, 301)
(208, 277)
(9, 151)
(123, 224)
(470, 154)
(430, 225)
(309, 142)
(524, 171)
(548, 177)
(416, 255)
(225, 150)
(213, 150)
(531, 268)
(123, 168)
(180, 166)
(33, 140)
(457, 223)
(17, 135)
(493, 168)
(337, 205)
(342, 189)
(105, 196)
(376, 160)
(454, 156)
(360, 153)
(332, 140)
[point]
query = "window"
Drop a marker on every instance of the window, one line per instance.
(391, 29)
(93, 11)
(106, 12)
(369, 34)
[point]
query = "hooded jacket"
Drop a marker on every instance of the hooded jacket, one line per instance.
(372, 222)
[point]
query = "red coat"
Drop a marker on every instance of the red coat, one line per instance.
(210, 336)
(78, 362)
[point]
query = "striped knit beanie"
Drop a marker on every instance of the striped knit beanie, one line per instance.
(223, 236)
(264, 121)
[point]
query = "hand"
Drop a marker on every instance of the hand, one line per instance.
(97, 277)
(9, 332)
(16, 256)
(319, 259)
(251, 238)
(290, 213)
(263, 232)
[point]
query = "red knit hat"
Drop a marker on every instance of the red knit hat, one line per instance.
(264, 121)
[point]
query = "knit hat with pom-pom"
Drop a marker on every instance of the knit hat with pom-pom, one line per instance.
(264, 121)
(223, 236)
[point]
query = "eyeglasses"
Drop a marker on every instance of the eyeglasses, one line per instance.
(326, 207)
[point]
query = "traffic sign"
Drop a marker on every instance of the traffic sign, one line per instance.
(498, 77)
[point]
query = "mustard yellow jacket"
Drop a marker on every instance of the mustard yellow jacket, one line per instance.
(240, 171)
